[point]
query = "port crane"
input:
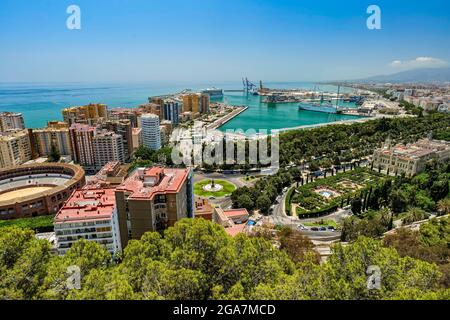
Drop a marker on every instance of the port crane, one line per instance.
(249, 87)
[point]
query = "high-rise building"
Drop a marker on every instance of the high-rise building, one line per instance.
(204, 101)
(151, 133)
(56, 135)
(125, 114)
(81, 139)
(153, 199)
(123, 128)
(108, 147)
(153, 108)
(89, 214)
(172, 111)
(196, 103)
(88, 114)
(137, 138)
(15, 148)
(11, 121)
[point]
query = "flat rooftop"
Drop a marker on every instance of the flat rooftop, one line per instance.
(86, 205)
(145, 183)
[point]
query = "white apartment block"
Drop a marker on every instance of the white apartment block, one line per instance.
(91, 215)
(151, 133)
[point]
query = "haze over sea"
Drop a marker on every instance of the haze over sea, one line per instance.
(41, 102)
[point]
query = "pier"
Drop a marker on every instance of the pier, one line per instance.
(220, 122)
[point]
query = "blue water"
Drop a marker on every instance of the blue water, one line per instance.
(42, 102)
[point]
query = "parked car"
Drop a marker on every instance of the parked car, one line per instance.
(322, 229)
(331, 228)
(314, 229)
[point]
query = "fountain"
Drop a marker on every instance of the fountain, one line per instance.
(212, 187)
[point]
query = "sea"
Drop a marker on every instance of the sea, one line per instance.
(42, 102)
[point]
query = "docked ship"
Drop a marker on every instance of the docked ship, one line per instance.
(322, 107)
(317, 107)
(213, 92)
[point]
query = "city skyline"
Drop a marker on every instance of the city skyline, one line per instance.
(218, 40)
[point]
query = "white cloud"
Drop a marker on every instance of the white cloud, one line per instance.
(418, 63)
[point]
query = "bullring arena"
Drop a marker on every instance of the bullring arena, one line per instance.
(37, 189)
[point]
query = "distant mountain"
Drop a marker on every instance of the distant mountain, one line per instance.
(417, 75)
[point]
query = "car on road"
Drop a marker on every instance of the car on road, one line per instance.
(302, 227)
(322, 229)
(331, 228)
(314, 229)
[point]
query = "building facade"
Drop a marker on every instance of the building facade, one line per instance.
(196, 103)
(137, 138)
(88, 214)
(44, 139)
(125, 130)
(81, 139)
(151, 133)
(153, 199)
(88, 114)
(172, 112)
(410, 159)
(15, 148)
(107, 146)
(11, 121)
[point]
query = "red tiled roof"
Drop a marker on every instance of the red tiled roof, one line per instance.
(236, 229)
(85, 205)
(170, 182)
(235, 212)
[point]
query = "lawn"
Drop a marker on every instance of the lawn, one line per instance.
(227, 189)
(39, 224)
(322, 223)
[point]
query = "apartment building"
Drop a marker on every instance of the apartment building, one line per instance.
(196, 103)
(15, 148)
(151, 132)
(125, 114)
(107, 146)
(410, 159)
(88, 114)
(123, 128)
(88, 214)
(152, 199)
(154, 107)
(54, 135)
(137, 138)
(81, 139)
(11, 121)
(172, 112)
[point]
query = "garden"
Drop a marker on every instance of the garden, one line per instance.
(324, 196)
(213, 188)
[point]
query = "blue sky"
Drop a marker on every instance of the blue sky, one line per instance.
(198, 40)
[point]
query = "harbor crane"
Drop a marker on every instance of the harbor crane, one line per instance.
(249, 87)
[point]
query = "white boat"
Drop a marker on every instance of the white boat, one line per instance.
(213, 92)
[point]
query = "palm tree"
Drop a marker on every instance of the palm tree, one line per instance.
(443, 206)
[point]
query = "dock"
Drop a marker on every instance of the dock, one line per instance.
(220, 122)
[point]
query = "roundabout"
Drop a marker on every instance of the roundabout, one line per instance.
(213, 188)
